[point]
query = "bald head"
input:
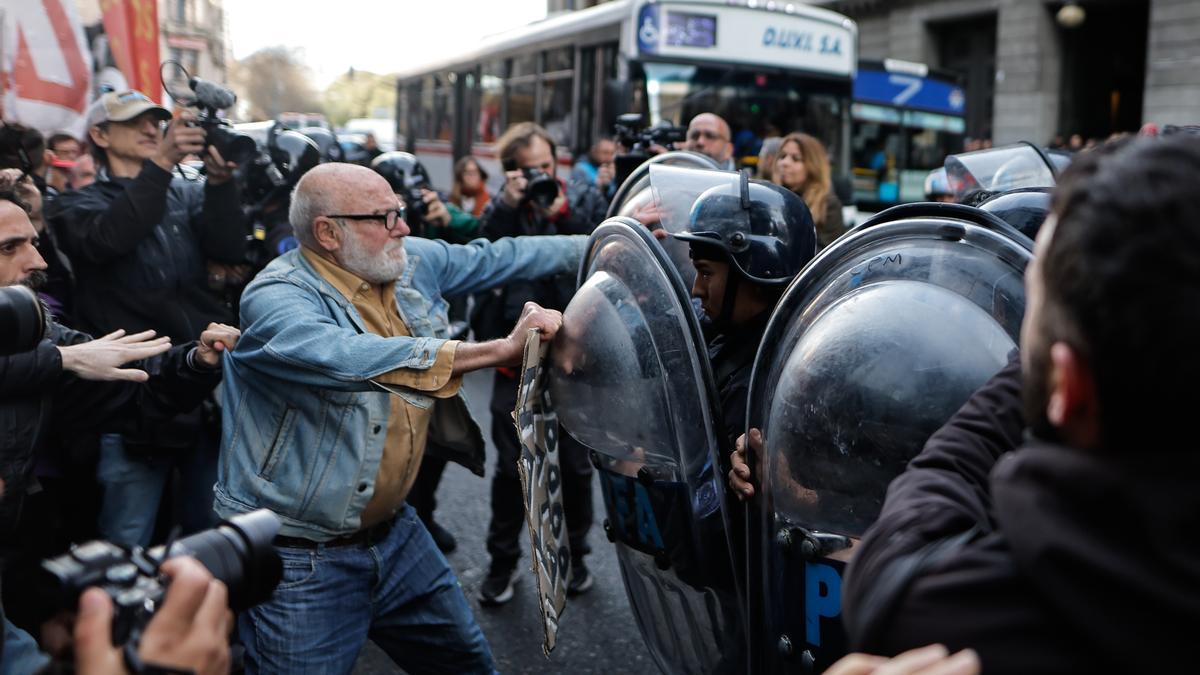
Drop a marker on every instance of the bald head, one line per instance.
(708, 134)
(335, 188)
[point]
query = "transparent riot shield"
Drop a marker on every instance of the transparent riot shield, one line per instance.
(630, 380)
(975, 176)
(871, 349)
(637, 199)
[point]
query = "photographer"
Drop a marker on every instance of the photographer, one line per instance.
(140, 238)
(597, 167)
(533, 202)
(69, 381)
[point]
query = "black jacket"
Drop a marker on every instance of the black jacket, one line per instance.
(731, 354)
(1043, 559)
(139, 248)
(40, 402)
(497, 311)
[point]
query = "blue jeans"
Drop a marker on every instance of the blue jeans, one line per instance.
(400, 593)
(133, 487)
(21, 653)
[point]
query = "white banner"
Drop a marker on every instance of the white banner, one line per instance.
(46, 65)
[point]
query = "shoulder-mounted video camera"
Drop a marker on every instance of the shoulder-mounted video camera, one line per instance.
(632, 134)
(210, 97)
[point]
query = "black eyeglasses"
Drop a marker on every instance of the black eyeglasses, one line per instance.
(389, 217)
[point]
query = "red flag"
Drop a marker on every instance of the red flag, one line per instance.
(132, 29)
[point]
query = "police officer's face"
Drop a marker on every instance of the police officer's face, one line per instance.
(537, 156)
(709, 286)
(19, 258)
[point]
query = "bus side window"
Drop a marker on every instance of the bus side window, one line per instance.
(557, 81)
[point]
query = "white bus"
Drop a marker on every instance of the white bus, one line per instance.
(767, 66)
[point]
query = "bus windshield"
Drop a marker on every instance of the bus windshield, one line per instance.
(756, 104)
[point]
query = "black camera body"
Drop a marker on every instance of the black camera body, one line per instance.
(637, 139)
(22, 320)
(210, 97)
(415, 208)
(238, 552)
(541, 188)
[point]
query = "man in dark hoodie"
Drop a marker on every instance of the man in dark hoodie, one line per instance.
(1068, 548)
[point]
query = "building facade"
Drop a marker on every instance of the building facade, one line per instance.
(193, 34)
(1033, 71)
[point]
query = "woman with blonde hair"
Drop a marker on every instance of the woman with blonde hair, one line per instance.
(803, 167)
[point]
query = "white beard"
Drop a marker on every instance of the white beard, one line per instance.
(383, 267)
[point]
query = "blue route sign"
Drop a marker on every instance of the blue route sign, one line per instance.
(904, 90)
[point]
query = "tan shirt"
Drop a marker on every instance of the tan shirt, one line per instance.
(408, 424)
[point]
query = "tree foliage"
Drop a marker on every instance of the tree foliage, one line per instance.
(360, 94)
(273, 80)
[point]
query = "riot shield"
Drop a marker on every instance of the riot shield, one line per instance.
(630, 380)
(871, 349)
(975, 176)
(633, 192)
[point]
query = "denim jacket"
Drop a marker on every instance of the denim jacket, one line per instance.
(304, 425)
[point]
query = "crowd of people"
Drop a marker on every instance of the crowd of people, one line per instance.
(332, 303)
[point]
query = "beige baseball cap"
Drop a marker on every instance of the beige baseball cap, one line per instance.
(122, 106)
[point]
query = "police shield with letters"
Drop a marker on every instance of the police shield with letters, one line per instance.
(871, 349)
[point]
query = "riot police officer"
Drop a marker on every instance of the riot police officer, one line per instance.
(747, 239)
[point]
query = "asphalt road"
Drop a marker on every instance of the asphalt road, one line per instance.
(597, 633)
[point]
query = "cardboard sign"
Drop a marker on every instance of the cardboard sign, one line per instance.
(541, 483)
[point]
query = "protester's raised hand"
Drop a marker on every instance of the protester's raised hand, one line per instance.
(182, 138)
(547, 321)
(189, 632)
(215, 339)
(104, 358)
(217, 168)
(436, 212)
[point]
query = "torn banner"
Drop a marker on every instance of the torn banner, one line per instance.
(541, 482)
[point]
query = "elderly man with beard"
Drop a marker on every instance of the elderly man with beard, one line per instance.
(328, 401)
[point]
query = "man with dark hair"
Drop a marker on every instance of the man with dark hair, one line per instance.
(1067, 549)
(526, 150)
(62, 152)
(140, 238)
(71, 384)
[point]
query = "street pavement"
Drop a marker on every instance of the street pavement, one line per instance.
(597, 633)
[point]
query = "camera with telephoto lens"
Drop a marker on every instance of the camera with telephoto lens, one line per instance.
(415, 208)
(239, 552)
(234, 146)
(637, 139)
(541, 188)
(22, 320)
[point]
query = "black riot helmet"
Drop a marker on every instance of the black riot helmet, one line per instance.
(764, 230)
(1025, 209)
(402, 170)
(277, 168)
(293, 154)
(327, 142)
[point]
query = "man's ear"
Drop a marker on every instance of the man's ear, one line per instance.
(327, 233)
(1072, 405)
(99, 136)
